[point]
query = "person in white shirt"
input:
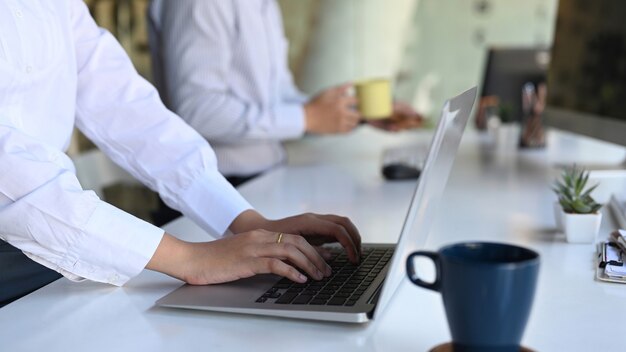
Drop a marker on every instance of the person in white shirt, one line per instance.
(222, 66)
(57, 70)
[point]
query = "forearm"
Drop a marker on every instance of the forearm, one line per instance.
(172, 257)
(220, 116)
(216, 115)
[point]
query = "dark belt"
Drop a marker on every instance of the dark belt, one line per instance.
(237, 181)
(19, 275)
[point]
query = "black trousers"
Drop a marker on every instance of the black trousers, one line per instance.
(19, 275)
(165, 214)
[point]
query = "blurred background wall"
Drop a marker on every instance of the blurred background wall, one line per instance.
(448, 40)
(126, 19)
(353, 39)
(432, 49)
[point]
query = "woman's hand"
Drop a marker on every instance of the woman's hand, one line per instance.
(258, 248)
(316, 229)
(240, 256)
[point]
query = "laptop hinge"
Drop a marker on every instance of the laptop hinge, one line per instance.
(373, 300)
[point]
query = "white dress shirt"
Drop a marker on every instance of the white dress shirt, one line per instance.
(57, 69)
(222, 66)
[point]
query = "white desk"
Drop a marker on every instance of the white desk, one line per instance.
(494, 193)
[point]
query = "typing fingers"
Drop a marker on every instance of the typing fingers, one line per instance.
(324, 252)
(351, 229)
(330, 231)
(265, 265)
(299, 252)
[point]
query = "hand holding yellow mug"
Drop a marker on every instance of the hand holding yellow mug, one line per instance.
(374, 96)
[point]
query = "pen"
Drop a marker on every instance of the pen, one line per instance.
(604, 255)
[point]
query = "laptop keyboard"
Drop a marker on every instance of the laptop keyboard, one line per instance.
(344, 287)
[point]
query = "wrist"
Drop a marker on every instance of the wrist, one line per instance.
(171, 257)
(247, 221)
(309, 118)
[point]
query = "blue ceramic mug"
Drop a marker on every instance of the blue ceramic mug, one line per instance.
(487, 291)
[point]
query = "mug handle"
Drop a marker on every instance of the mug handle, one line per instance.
(410, 270)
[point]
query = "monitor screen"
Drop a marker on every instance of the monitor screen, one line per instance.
(507, 70)
(587, 75)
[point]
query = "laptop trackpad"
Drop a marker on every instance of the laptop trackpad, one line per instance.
(238, 293)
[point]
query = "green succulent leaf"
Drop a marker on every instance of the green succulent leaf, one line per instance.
(566, 206)
(581, 207)
(573, 195)
(584, 181)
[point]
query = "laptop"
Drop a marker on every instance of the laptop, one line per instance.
(354, 293)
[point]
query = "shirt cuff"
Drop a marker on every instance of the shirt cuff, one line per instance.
(115, 246)
(292, 120)
(213, 203)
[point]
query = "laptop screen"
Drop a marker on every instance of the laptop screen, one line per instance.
(429, 189)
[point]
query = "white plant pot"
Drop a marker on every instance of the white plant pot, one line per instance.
(505, 135)
(581, 228)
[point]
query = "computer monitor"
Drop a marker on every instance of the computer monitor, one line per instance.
(587, 84)
(507, 70)
(587, 74)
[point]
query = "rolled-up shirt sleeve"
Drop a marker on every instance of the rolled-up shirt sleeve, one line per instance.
(45, 212)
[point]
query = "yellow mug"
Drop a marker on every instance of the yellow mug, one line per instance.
(374, 96)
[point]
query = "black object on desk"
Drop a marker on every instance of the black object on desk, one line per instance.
(400, 171)
(404, 162)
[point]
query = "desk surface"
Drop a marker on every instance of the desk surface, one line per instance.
(495, 193)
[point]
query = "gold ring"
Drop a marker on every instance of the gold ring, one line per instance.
(280, 237)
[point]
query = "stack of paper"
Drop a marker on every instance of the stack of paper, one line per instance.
(615, 271)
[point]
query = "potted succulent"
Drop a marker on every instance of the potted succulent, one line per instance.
(579, 213)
